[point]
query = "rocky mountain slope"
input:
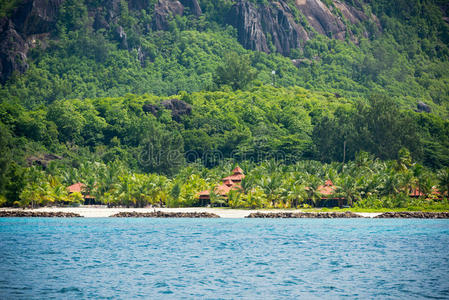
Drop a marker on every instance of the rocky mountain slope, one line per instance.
(276, 26)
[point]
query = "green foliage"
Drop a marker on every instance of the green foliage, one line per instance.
(78, 100)
(7, 6)
(235, 72)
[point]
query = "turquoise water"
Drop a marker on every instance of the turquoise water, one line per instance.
(223, 258)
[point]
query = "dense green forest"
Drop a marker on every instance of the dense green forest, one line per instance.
(166, 115)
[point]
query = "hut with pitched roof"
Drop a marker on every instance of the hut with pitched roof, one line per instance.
(81, 188)
(328, 195)
(229, 183)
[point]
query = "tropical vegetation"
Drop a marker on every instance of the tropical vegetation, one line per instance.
(346, 113)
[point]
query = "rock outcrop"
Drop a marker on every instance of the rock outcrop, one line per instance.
(258, 26)
(322, 19)
(422, 107)
(161, 214)
(318, 215)
(37, 214)
(193, 6)
(162, 12)
(274, 26)
(32, 19)
(178, 108)
(414, 215)
(42, 160)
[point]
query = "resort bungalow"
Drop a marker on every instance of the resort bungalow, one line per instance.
(80, 188)
(328, 196)
(417, 193)
(229, 183)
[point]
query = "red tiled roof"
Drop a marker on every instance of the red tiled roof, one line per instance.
(79, 188)
(416, 193)
(237, 170)
(222, 190)
(229, 183)
(204, 193)
(76, 188)
(235, 177)
(327, 189)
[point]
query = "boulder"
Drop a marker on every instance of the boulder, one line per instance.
(423, 107)
(161, 214)
(151, 108)
(42, 160)
(414, 215)
(318, 215)
(178, 108)
(37, 214)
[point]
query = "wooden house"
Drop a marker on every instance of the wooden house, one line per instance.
(81, 188)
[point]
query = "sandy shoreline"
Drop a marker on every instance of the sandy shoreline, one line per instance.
(104, 212)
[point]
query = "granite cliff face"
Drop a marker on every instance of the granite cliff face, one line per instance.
(257, 24)
(31, 22)
(276, 23)
(277, 26)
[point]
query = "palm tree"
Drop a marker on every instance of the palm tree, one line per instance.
(270, 185)
(348, 188)
(391, 184)
(235, 199)
(297, 193)
(312, 189)
(443, 179)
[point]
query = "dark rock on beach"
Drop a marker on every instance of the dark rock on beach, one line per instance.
(37, 214)
(161, 214)
(414, 215)
(319, 215)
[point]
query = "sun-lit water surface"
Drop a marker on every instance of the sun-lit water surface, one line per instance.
(223, 258)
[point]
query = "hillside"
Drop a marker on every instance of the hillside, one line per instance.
(170, 87)
(78, 49)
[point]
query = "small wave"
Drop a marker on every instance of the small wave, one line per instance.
(69, 290)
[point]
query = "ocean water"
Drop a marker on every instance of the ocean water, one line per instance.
(223, 258)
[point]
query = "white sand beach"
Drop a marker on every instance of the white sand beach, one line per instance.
(104, 212)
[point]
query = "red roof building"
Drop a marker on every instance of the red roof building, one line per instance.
(79, 188)
(76, 188)
(327, 189)
(416, 193)
(229, 183)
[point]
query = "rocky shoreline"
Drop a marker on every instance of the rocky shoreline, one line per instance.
(318, 215)
(414, 215)
(161, 214)
(37, 214)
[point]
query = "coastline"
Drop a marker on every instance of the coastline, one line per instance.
(205, 212)
(104, 212)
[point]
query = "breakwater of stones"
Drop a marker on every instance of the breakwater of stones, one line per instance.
(318, 215)
(161, 214)
(37, 214)
(414, 215)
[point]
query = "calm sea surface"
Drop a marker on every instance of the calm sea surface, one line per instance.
(223, 258)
